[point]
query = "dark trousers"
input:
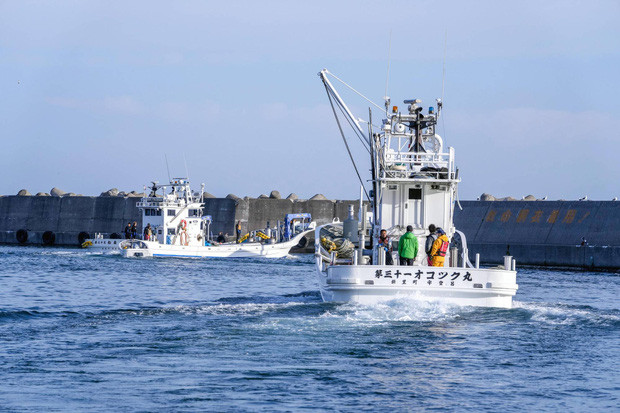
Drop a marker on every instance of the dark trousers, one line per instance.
(406, 261)
(238, 234)
(388, 259)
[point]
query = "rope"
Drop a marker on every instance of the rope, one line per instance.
(365, 144)
(344, 139)
(353, 89)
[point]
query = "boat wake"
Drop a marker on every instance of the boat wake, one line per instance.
(567, 314)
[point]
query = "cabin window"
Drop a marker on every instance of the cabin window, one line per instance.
(193, 213)
(415, 193)
(171, 231)
(152, 212)
(392, 187)
(171, 212)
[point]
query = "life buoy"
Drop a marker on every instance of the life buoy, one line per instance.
(183, 224)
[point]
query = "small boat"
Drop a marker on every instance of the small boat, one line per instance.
(179, 229)
(414, 183)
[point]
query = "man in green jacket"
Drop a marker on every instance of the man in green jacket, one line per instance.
(407, 247)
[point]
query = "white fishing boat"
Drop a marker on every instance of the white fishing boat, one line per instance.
(414, 183)
(178, 228)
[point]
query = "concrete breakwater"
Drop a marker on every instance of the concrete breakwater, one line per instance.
(535, 232)
(68, 220)
(584, 234)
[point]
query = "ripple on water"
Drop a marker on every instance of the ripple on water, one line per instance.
(84, 331)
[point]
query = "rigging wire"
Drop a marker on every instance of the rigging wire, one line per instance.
(355, 130)
(361, 138)
(353, 89)
(344, 139)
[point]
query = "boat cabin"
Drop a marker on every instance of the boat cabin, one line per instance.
(175, 214)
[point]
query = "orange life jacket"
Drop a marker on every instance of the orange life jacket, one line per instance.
(441, 252)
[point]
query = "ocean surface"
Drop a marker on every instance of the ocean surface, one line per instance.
(87, 332)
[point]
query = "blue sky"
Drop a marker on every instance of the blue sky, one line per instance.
(94, 94)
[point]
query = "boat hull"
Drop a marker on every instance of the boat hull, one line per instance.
(246, 251)
(371, 284)
(145, 249)
(104, 245)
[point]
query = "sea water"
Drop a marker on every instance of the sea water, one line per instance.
(97, 332)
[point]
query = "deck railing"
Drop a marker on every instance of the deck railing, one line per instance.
(398, 165)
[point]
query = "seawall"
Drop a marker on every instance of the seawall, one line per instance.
(543, 232)
(71, 219)
(534, 232)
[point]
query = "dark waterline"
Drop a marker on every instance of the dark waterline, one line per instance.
(88, 332)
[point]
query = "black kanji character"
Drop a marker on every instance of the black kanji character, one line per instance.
(404, 281)
(443, 275)
(418, 274)
(429, 282)
(432, 275)
(467, 276)
(397, 273)
(455, 275)
(378, 273)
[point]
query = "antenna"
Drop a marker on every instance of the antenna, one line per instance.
(387, 76)
(443, 75)
(168, 168)
(185, 161)
(443, 82)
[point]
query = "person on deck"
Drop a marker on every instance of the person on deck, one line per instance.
(221, 238)
(238, 230)
(407, 247)
(148, 232)
(128, 231)
(134, 230)
(430, 240)
(386, 243)
(440, 247)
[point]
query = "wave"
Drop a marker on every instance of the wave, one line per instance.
(307, 307)
(567, 314)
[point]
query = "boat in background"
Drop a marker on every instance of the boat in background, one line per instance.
(414, 182)
(179, 229)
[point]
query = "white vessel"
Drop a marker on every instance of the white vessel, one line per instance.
(414, 182)
(179, 229)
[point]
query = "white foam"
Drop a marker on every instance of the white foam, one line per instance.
(564, 314)
(402, 309)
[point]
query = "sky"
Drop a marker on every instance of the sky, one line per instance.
(96, 95)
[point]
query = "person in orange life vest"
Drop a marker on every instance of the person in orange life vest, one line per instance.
(440, 248)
